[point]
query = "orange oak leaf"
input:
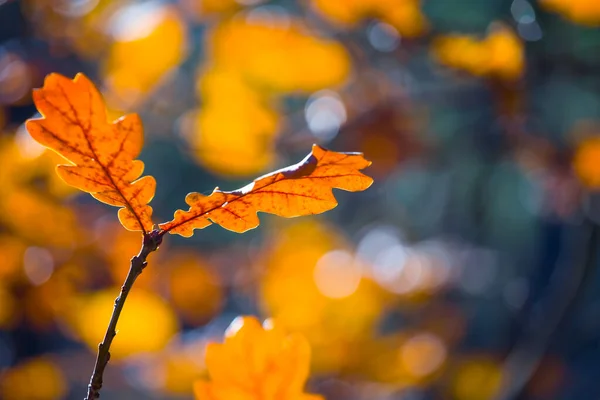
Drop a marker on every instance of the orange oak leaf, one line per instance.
(256, 363)
(301, 189)
(102, 153)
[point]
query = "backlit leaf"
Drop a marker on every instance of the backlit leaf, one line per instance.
(256, 363)
(301, 189)
(74, 124)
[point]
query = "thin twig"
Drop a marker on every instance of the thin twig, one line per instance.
(151, 242)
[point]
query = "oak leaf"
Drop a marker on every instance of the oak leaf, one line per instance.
(256, 363)
(102, 154)
(301, 189)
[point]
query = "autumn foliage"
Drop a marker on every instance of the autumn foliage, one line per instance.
(256, 363)
(193, 120)
(102, 162)
(102, 155)
(301, 189)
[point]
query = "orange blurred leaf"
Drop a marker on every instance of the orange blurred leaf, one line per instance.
(301, 189)
(74, 124)
(255, 363)
(500, 54)
(585, 162)
(146, 325)
(38, 378)
(584, 12)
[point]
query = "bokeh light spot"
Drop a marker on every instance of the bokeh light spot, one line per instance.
(136, 21)
(74, 8)
(383, 37)
(423, 354)
(38, 265)
(337, 274)
(15, 77)
(522, 11)
(399, 269)
(28, 147)
(325, 113)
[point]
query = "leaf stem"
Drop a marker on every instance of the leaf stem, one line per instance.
(151, 242)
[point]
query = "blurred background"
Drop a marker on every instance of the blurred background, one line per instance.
(468, 271)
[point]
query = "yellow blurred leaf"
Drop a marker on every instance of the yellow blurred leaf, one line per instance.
(26, 213)
(499, 55)
(146, 324)
(35, 379)
(586, 162)
(478, 378)
(150, 40)
(25, 209)
(256, 363)
(235, 137)
(280, 56)
(255, 62)
(585, 12)
(194, 290)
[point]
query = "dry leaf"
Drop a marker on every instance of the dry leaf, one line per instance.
(301, 189)
(74, 124)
